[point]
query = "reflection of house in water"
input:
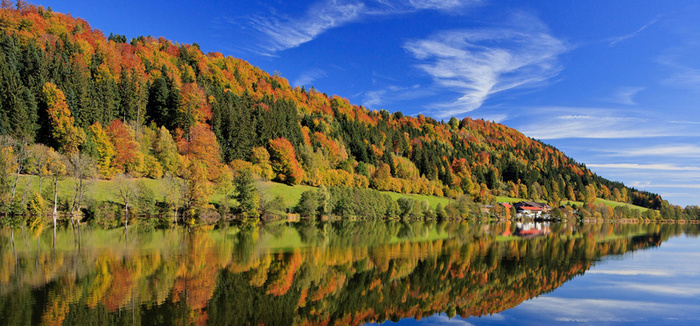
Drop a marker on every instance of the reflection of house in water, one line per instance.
(532, 229)
(531, 209)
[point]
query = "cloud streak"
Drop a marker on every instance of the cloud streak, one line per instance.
(684, 186)
(308, 77)
(579, 310)
(444, 320)
(669, 174)
(619, 39)
(374, 98)
(682, 75)
(635, 166)
(598, 123)
(438, 4)
(683, 290)
(671, 150)
(625, 95)
(631, 272)
(585, 126)
(283, 33)
(478, 63)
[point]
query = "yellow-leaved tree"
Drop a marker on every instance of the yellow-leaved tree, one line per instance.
(63, 130)
(105, 150)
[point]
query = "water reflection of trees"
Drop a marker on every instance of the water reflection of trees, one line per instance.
(342, 273)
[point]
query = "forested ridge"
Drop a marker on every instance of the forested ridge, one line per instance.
(149, 107)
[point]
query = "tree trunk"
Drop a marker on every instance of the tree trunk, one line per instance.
(138, 115)
(175, 213)
(26, 189)
(55, 203)
(76, 200)
(80, 197)
(14, 184)
(12, 236)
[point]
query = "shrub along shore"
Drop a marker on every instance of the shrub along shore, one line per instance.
(163, 203)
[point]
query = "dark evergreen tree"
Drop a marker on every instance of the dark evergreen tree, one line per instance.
(157, 108)
(129, 96)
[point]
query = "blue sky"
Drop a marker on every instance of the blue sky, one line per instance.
(613, 84)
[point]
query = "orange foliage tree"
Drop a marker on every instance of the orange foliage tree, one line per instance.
(284, 161)
(127, 157)
(202, 146)
(330, 148)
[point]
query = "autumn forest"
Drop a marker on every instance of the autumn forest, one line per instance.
(76, 104)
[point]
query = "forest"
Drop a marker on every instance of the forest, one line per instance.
(76, 104)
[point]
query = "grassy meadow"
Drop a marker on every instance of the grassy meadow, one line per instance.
(106, 190)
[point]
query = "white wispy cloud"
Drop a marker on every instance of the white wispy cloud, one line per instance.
(283, 32)
(598, 123)
(393, 93)
(619, 39)
(373, 98)
(682, 74)
(648, 176)
(586, 126)
(684, 186)
(606, 310)
(444, 320)
(438, 4)
(631, 272)
(496, 117)
(682, 290)
(308, 77)
(477, 63)
(625, 95)
(436, 320)
(663, 167)
(670, 150)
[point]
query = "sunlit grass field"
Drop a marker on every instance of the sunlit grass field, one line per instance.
(107, 190)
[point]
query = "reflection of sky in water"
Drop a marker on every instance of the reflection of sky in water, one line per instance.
(647, 287)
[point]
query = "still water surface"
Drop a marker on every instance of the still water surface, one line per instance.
(354, 273)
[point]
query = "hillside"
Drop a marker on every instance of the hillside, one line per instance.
(150, 106)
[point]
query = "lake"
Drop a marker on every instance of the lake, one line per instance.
(354, 273)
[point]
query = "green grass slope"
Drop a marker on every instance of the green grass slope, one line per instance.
(106, 190)
(291, 194)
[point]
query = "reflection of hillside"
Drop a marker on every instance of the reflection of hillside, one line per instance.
(338, 274)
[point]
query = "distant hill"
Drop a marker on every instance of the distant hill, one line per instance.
(148, 106)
